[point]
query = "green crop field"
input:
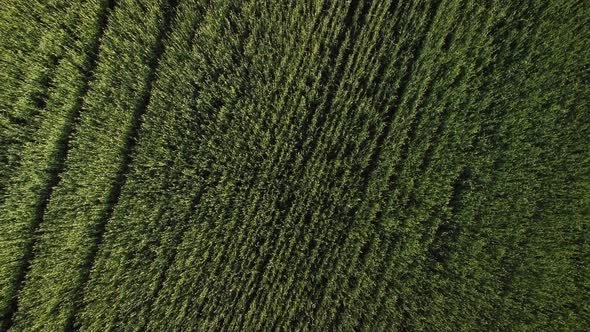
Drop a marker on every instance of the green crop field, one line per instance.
(314, 165)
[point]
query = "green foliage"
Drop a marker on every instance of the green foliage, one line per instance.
(82, 199)
(297, 165)
(41, 133)
(33, 42)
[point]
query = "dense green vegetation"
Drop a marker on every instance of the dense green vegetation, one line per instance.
(295, 165)
(36, 133)
(81, 202)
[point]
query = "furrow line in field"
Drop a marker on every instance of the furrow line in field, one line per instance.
(142, 241)
(80, 202)
(34, 52)
(131, 138)
(43, 155)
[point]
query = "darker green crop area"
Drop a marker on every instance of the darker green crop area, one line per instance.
(218, 165)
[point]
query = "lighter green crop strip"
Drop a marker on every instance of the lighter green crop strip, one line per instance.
(143, 248)
(42, 46)
(81, 201)
(41, 155)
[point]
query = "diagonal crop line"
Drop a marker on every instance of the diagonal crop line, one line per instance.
(7, 320)
(130, 141)
(59, 156)
(31, 95)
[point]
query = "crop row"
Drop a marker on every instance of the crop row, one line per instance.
(81, 202)
(38, 140)
(307, 165)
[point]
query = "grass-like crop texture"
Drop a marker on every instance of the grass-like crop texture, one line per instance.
(392, 165)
